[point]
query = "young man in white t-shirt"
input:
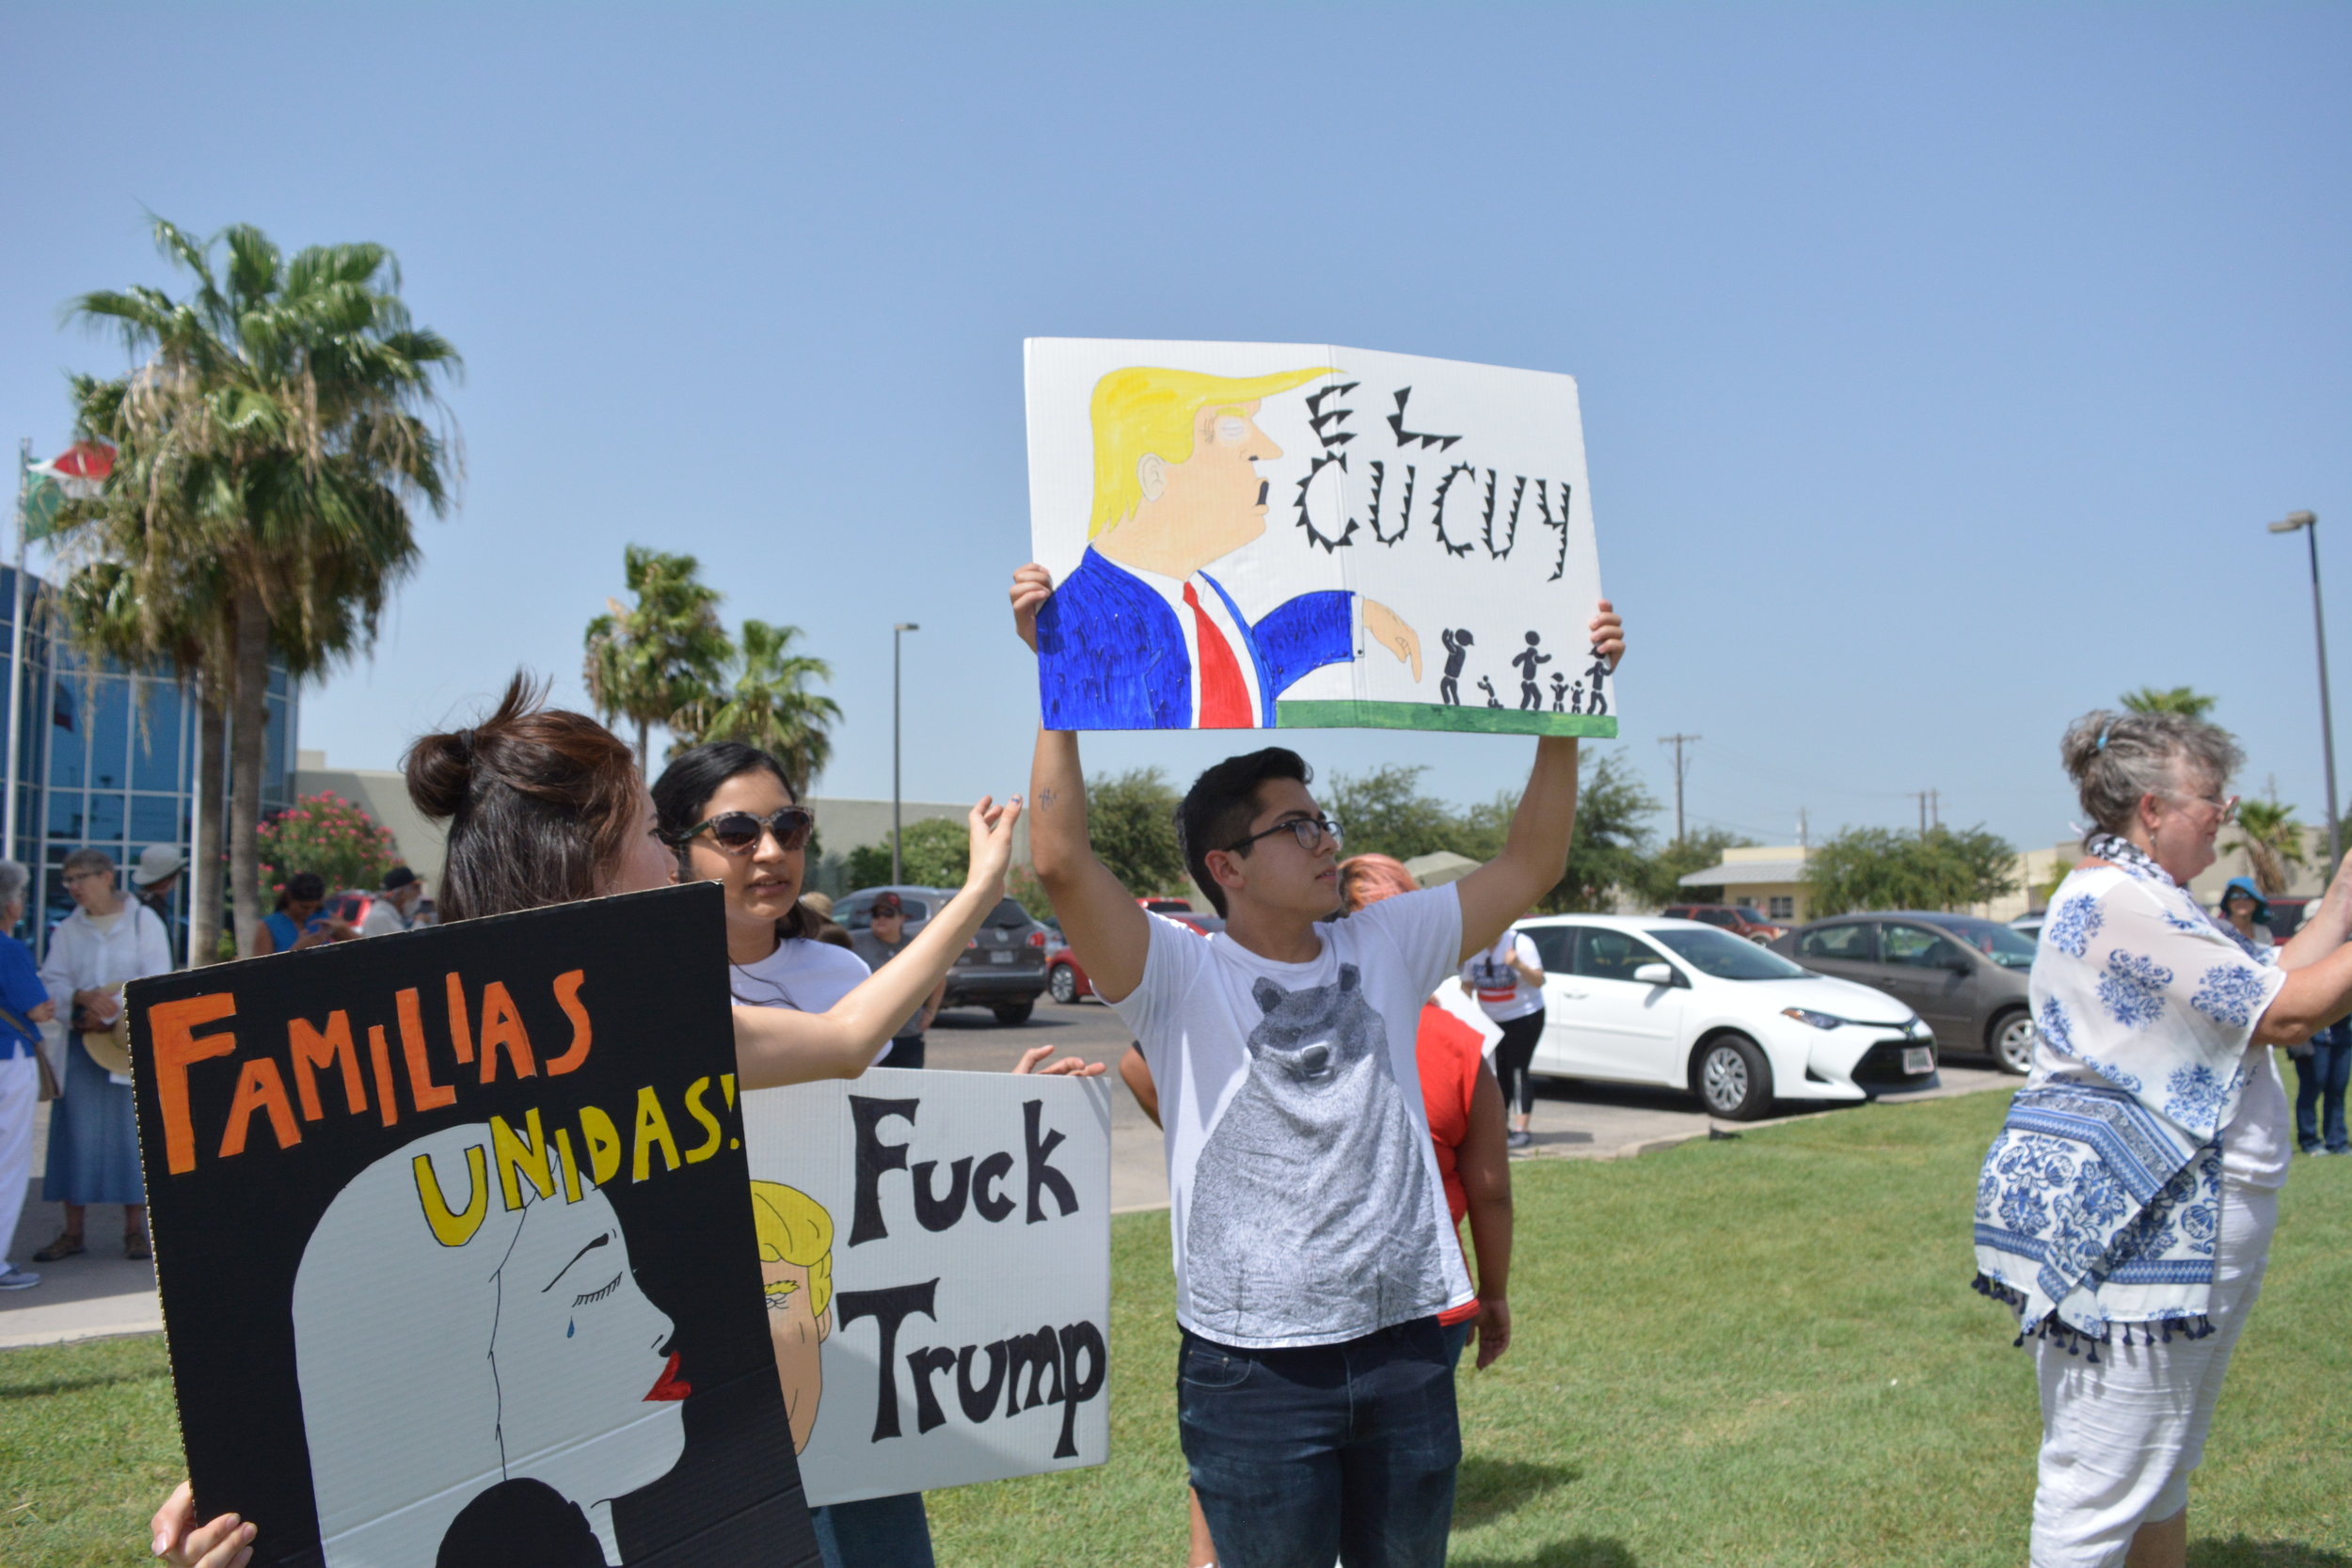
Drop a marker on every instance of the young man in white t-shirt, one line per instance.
(1314, 1249)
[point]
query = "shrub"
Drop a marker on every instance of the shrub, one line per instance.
(331, 837)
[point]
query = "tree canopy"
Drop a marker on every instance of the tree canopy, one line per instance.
(654, 661)
(1880, 868)
(2188, 702)
(766, 702)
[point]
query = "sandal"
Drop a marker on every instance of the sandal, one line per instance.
(136, 1249)
(68, 1244)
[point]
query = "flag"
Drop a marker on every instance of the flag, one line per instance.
(77, 473)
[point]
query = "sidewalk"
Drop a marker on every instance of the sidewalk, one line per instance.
(99, 1293)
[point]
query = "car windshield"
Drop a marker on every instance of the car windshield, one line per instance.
(1727, 957)
(2007, 948)
(1008, 913)
(1752, 916)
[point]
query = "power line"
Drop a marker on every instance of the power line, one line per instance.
(1678, 741)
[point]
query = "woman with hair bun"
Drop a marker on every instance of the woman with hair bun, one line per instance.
(2125, 1209)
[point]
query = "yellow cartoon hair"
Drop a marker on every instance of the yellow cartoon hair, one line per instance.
(1142, 411)
(794, 1228)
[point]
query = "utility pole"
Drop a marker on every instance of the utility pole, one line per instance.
(2309, 525)
(903, 626)
(1805, 835)
(1935, 808)
(1677, 742)
(1921, 796)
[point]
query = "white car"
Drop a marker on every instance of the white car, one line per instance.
(1631, 1000)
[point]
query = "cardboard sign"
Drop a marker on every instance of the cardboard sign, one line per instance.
(936, 1246)
(457, 1248)
(1254, 535)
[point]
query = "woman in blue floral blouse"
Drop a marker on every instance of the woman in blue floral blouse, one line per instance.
(2126, 1207)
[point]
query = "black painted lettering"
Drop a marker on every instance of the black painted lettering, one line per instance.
(888, 1308)
(934, 1212)
(874, 1157)
(991, 1204)
(1041, 1175)
(922, 1366)
(1077, 1338)
(980, 1402)
(1041, 1353)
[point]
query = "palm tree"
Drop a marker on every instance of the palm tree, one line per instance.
(2272, 839)
(649, 662)
(2180, 698)
(768, 704)
(279, 424)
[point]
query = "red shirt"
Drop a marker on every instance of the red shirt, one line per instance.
(1449, 1052)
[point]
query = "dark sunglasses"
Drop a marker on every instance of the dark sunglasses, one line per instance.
(1309, 831)
(738, 831)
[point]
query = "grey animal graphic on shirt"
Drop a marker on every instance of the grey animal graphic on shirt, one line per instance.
(1311, 1198)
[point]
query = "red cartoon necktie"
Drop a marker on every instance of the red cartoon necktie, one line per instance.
(1224, 699)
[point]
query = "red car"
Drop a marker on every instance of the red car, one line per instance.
(1065, 982)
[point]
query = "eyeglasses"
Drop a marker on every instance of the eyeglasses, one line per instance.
(2227, 807)
(1310, 831)
(738, 831)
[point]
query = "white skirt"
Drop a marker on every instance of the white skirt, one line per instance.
(2120, 1438)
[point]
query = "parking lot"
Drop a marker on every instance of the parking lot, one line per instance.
(1573, 1121)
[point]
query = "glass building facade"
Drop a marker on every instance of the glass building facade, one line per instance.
(107, 758)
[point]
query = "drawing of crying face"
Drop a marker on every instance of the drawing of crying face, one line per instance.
(580, 1351)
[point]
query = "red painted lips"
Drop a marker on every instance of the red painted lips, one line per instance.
(670, 1385)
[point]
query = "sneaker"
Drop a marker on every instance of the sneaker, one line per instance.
(17, 1279)
(1519, 1140)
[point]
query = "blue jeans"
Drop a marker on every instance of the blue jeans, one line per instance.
(1342, 1451)
(2321, 1077)
(877, 1533)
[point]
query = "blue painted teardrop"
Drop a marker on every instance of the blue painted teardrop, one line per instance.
(568, 1326)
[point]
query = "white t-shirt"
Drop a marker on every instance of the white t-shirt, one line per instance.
(802, 973)
(1501, 990)
(1307, 1207)
(384, 918)
(2254, 1148)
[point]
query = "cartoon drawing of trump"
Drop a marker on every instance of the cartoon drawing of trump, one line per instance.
(796, 1271)
(1139, 636)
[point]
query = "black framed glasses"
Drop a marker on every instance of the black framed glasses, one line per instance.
(1310, 831)
(738, 831)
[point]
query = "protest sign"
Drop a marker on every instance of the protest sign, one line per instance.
(456, 1249)
(1262, 535)
(936, 1246)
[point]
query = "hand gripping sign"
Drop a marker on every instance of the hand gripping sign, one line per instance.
(1263, 535)
(935, 1247)
(456, 1245)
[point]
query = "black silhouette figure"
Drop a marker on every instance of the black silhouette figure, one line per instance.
(1560, 692)
(1596, 675)
(1528, 662)
(1576, 697)
(1488, 687)
(1456, 641)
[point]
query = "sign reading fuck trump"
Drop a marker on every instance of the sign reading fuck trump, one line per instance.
(457, 1248)
(1284, 535)
(935, 1247)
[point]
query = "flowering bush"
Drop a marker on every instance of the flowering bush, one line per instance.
(328, 835)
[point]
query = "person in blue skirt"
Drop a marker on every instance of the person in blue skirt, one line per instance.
(94, 1133)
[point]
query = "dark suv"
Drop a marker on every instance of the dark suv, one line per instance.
(1741, 920)
(1967, 977)
(1002, 968)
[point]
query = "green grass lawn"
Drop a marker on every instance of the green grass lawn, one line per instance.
(1754, 1351)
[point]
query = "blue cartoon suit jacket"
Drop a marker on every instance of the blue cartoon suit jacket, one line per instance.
(1111, 653)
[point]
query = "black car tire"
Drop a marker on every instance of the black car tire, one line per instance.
(1063, 983)
(1732, 1078)
(2010, 1040)
(1014, 1012)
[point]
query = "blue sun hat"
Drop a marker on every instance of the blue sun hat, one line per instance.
(2246, 885)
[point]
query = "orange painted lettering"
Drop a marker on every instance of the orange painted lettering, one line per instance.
(567, 998)
(380, 1055)
(172, 1026)
(501, 1025)
(423, 1091)
(260, 1088)
(461, 1031)
(312, 1050)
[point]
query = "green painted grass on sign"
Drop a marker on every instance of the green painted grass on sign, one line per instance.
(1756, 1351)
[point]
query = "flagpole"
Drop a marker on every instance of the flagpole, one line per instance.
(16, 648)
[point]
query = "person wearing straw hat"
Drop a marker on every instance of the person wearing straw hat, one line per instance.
(93, 1137)
(154, 881)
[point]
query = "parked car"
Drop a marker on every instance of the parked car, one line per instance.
(1066, 978)
(1967, 977)
(1741, 920)
(1002, 968)
(1687, 1005)
(2030, 925)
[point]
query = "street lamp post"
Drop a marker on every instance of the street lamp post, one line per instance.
(2308, 523)
(896, 876)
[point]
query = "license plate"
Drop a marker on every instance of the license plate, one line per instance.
(1000, 957)
(1918, 1059)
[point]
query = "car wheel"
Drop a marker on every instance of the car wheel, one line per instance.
(1063, 983)
(1733, 1079)
(2012, 1036)
(1014, 1012)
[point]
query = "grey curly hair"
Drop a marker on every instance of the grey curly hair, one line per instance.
(13, 878)
(2115, 758)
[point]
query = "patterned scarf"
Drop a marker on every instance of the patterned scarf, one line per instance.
(2100, 1200)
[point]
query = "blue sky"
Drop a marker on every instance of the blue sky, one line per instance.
(1940, 365)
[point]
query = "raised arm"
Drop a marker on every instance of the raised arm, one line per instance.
(774, 1046)
(1536, 852)
(1106, 928)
